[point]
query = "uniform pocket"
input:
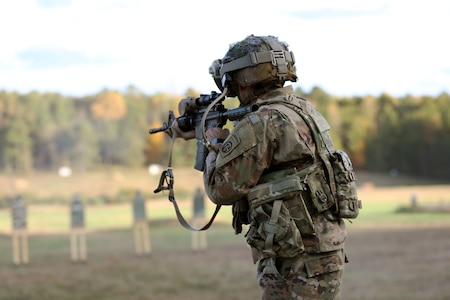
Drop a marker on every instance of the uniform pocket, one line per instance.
(318, 264)
(267, 269)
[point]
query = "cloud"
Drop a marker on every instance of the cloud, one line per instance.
(345, 47)
(41, 57)
(53, 3)
(328, 13)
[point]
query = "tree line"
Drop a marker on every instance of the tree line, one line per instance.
(44, 131)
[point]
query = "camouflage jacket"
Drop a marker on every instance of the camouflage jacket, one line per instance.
(264, 141)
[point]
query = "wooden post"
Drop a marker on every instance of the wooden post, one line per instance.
(140, 226)
(78, 251)
(19, 232)
(198, 238)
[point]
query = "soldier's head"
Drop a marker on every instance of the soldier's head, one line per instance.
(254, 66)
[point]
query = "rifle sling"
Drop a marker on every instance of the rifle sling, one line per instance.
(168, 173)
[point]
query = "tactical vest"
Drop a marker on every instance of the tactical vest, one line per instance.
(340, 176)
(279, 203)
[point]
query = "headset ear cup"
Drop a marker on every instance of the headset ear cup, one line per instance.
(227, 81)
(214, 70)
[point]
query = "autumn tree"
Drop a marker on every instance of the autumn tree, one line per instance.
(108, 105)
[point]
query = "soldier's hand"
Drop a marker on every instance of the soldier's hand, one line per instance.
(180, 133)
(217, 132)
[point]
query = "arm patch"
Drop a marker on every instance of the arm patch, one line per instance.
(239, 141)
(232, 142)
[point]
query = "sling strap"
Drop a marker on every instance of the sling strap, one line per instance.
(166, 183)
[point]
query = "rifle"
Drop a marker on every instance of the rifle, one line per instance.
(192, 112)
(197, 114)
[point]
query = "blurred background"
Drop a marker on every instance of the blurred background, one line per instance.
(82, 82)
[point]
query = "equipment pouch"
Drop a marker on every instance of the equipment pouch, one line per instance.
(273, 230)
(320, 190)
(348, 203)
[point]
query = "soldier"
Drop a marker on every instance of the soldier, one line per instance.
(270, 169)
(19, 233)
(140, 226)
(78, 234)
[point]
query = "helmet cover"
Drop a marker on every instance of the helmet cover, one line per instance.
(255, 61)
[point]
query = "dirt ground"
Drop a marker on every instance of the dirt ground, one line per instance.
(385, 263)
(400, 263)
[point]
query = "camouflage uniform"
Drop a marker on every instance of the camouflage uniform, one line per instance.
(299, 251)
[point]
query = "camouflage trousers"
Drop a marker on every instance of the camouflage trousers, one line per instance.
(306, 277)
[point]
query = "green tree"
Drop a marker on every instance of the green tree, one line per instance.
(443, 144)
(320, 99)
(17, 150)
(356, 124)
(382, 147)
(84, 149)
(132, 133)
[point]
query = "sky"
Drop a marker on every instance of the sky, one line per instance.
(346, 47)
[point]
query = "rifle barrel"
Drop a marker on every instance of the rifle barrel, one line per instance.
(159, 129)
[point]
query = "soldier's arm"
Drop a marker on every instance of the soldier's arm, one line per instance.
(239, 163)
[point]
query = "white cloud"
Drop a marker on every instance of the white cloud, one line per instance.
(346, 47)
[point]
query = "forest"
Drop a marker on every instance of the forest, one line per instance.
(45, 131)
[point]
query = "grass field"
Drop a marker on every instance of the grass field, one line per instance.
(392, 256)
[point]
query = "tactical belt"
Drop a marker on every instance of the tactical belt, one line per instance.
(266, 192)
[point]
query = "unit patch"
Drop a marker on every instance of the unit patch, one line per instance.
(231, 143)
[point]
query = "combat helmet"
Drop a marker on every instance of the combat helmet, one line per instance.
(260, 61)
